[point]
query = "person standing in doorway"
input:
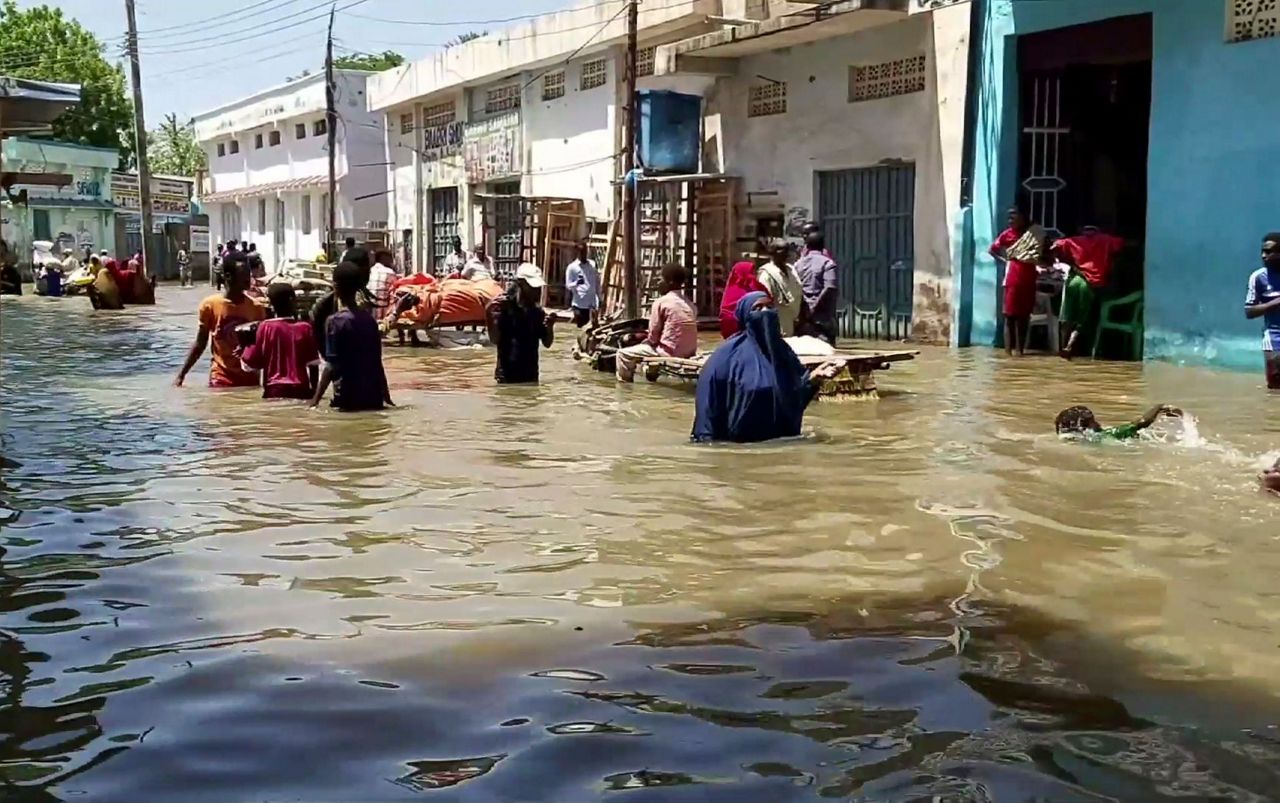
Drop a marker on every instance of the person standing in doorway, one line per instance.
(456, 259)
(818, 279)
(1090, 255)
(673, 326)
(1263, 301)
(783, 286)
(582, 280)
(184, 268)
(1021, 246)
(805, 231)
(517, 326)
(219, 315)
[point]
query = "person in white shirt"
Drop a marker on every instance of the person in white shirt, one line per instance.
(381, 276)
(69, 262)
(582, 280)
(480, 267)
(457, 258)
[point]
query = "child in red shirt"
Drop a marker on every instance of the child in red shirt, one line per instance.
(1022, 247)
(283, 348)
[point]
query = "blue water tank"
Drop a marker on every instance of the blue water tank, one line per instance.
(670, 131)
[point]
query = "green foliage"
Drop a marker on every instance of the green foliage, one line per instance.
(41, 44)
(376, 62)
(172, 148)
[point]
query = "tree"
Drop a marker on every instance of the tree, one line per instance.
(463, 38)
(41, 44)
(376, 62)
(172, 148)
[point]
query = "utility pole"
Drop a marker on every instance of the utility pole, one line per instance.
(331, 129)
(140, 139)
(630, 244)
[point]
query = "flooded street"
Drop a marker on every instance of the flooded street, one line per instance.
(546, 593)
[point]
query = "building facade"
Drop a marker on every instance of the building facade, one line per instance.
(75, 215)
(1146, 118)
(269, 171)
(532, 111)
(854, 118)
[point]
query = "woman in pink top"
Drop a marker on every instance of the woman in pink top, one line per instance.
(282, 349)
(673, 326)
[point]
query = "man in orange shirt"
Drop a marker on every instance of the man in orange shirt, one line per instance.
(219, 317)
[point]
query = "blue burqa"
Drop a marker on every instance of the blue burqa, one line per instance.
(753, 388)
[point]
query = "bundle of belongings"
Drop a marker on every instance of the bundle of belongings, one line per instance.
(310, 282)
(422, 304)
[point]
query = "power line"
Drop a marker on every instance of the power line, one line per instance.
(450, 23)
(233, 12)
(577, 49)
(183, 47)
(236, 21)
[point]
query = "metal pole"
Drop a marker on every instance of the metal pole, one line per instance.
(140, 138)
(331, 126)
(630, 245)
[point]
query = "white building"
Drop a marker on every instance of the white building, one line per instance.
(269, 169)
(532, 110)
(850, 113)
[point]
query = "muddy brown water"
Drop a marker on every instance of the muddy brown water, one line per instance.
(546, 593)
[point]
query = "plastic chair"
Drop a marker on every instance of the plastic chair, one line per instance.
(1043, 315)
(1131, 328)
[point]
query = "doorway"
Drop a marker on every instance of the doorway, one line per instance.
(868, 220)
(444, 225)
(1085, 115)
(508, 229)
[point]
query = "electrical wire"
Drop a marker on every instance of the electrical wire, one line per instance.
(212, 30)
(224, 14)
(577, 49)
(184, 47)
(449, 23)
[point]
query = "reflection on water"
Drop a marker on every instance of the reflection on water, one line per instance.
(546, 593)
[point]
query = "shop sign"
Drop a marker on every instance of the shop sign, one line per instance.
(491, 149)
(167, 196)
(200, 239)
(440, 141)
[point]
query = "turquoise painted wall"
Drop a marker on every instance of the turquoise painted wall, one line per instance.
(1215, 140)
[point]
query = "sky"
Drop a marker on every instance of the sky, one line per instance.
(191, 62)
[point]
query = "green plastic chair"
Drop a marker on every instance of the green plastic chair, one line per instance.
(1131, 328)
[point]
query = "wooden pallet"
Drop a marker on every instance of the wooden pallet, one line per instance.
(855, 381)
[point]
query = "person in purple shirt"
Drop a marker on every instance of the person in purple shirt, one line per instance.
(817, 274)
(352, 349)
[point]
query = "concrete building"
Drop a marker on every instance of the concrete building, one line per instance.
(269, 171)
(1147, 118)
(851, 115)
(532, 110)
(78, 214)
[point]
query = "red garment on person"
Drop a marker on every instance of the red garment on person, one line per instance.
(1092, 253)
(282, 349)
(742, 280)
(1019, 278)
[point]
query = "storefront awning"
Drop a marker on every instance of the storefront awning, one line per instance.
(713, 53)
(29, 107)
(270, 188)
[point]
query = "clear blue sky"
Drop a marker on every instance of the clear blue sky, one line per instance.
(189, 65)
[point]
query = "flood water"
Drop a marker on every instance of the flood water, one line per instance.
(546, 593)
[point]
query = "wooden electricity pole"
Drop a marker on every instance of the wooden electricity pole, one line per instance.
(630, 244)
(331, 129)
(140, 140)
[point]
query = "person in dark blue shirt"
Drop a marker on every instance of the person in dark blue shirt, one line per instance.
(352, 349)
(517, 326)
(1263, 301)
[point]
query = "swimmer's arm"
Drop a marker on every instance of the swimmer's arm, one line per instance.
(1154, 414)
(197, 348)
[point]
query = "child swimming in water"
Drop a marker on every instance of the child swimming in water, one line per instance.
(1081, 421)
(1271, 479)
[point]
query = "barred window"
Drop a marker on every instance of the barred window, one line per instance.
(553, 85)
(594, 73)
(438, 114)
(767, 98)
(501, 98)
(1252, 19)
(644, 60)
(406, 123)
(273, 137)
(887, 79)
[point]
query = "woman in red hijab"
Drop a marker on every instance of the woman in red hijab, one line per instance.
(742, 280)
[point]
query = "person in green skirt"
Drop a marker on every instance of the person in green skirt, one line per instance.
(1090, 255)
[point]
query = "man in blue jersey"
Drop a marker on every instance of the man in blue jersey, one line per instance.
(1263, 301)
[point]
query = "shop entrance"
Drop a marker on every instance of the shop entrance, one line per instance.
(1085, 112)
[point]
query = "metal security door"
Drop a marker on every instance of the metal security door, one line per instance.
(508, 230)
(1045, 134)
(444, 225)
(868, 218)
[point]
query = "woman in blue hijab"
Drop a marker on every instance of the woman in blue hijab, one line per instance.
(753, 388)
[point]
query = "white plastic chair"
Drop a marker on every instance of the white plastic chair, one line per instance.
(1043, 315)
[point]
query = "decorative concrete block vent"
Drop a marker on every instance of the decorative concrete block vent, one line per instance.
(644, 60)
(553, 85)
(438, 114)
(1252, 19)
(887, 79)
(767, 98)
(594, 73)
(502, 98)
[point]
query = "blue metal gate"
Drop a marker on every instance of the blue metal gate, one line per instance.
(868, 218)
